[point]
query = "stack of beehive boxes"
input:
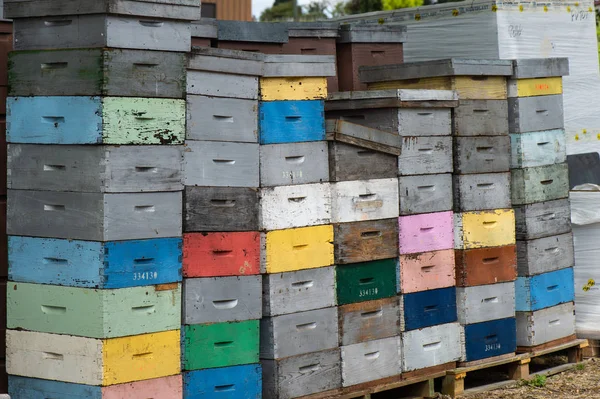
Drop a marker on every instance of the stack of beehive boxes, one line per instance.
(483, 223)
(299, 331)
(540, 189)
(221, 253)
(94, 199)
(425, 313)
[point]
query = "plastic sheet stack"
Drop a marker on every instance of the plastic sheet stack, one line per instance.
(222, 286)
(483, 223)
(423, 267)
(96, 116)
(540, 189)
(299, 330)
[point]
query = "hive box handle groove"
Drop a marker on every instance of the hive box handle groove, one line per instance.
(140, 355)
(368, 280)
(295, 159)
(543, 143)
(480, 111)
(223, 344)
(144, 208)
(432, 346)
(427, 269)
(143, 261)
(303, 284)
(372, 355)
(426, 150)
(54, 168)
(546, 182)
(554, 322)
(222, 203)
(490, 224)
(425, 113)
(487, 261)
(426, 188)
(425, 229)
(222, 252)
(55, 120)
(146, 169)
(223, 118)
(430, 308)
(485, 186)
(48, 309)
(54, 207)
(306, 326)
(370, 234)
(53, 356)
(552, 287)
(300, 246)
(374, 313)
(310, 368)
(490, 339)
(296, 199)
(145, 64)
(485, 149)
(54, 65)
(548, 216)
(61, 22)
(225, 304)
(56, 261)
(151, 24)
(223, 388)
(224, 161)
(554, 250)
(143, 309)
(491, 300)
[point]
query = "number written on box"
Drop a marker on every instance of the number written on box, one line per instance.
(145, 276)
(492, 347)
(368, 292)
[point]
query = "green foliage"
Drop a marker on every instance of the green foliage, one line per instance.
(539, 381)
(580, 366)
(279, 12)
(395, 4)
(362, 6)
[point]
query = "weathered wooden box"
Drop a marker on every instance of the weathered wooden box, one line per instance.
(204, 32)
(206, 346)
(355, 201)
(252, 32)
(545, 254)
(106, 169)
(302, 375)
(432, 346)
(531, 87)
(543, 219)
(544, 290)
(221, 254)
(485, 302)
(31, 388)
(478, 192)
(429, 308)
(92, 361)
(365, 241)
(538, 148)
(349, 162)
(101, 31)
(298, 333)
(531, 114)
(93, 313)
(97, 72)
(484, 229)
(95, 120)
(298, 291)
(294, 163)
(482, 154)
(222, 119)
(293, 66)
(371, 360)
(490, 339)
(291, 121)
(545, 325)
(93, 264)
(425, 193)
(285, 207)
(172, 9)
(403, 112)
(293, 88)
(94, 216)
(371, 320)
(528, 68)
(296, 249)
(243, 380)
(484, 266)
(221, 299)
(543, 183)
(220, 209)
(359, 282)
(425, 155)
(426, 271)
(481, 118)
(425, 233)
(214, 164)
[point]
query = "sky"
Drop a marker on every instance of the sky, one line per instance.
(259, 6)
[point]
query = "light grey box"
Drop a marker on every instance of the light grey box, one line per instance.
(538, 148)
(84, 168)
(370, 320)
(298, 333)
(371, 361)
(481, 118)
(531, 114)
(435, 68)
(294, 163)
(542, 219)
(544, 255)
(391, 98)
(349, 162)
(356, 33)
(432, 346)
(93, 216)
(222, 119)
(319, 29)
(425, 155)
(425, 193)
(172, 9)
(233, 62)
(479, 192)
(217, 84)
(96, 72)
(222, 299)
(101, 30)
(540, 68)
(220, 164)
(302, 375)
(299, 65)
(539, 184)
(205, 28)
(402, 121)
(298, 291)
(545, 325)
(245, 31)
(483, 154)
(485, 302)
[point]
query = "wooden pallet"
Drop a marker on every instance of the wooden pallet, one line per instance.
(518, 365)
(418, 383)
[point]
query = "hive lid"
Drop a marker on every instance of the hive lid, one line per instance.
(241, 31)
(225, 61)
(540, 68)
(391, 99)
(363, 33)
(299, 65)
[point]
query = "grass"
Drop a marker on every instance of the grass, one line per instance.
(539, 381)
(580, 367)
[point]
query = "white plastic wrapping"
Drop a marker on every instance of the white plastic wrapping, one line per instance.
(581, 102)
(585, 215)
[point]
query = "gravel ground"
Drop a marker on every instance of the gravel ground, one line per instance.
(579, 383)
